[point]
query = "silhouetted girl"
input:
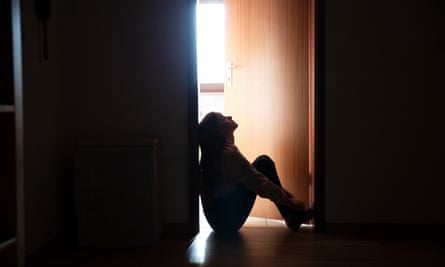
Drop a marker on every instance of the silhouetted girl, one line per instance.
(230, 183)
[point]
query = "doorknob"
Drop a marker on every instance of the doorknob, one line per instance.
(230, 65)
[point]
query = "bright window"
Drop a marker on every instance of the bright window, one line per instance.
(210, 43)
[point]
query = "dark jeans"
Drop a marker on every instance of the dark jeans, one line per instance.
(227, 214)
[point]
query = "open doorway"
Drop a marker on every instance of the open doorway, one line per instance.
(263, 77)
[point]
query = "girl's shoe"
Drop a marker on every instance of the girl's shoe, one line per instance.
(295, 220)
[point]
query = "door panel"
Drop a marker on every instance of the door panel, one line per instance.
(267, 43)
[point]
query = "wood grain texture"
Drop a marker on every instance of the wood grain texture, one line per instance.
(267, 41)
(259, 246)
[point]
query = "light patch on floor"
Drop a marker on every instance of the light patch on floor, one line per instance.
(254, 222)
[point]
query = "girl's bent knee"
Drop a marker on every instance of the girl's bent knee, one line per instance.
(263, 160)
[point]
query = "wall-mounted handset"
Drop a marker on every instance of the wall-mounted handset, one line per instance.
(43, 11)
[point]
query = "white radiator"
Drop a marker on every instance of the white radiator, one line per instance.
(117, 188)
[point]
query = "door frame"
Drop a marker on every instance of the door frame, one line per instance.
(318, 120)
(319, 116)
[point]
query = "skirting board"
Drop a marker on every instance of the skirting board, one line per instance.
(179, 230)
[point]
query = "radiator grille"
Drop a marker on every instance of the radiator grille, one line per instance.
(117, 187)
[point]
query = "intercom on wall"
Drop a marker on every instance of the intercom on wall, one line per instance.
(43, 11)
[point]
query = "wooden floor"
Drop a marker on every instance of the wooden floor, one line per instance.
(255, 245)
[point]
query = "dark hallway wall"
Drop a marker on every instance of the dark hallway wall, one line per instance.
(127, 72)
(384, 111)
(115, 70)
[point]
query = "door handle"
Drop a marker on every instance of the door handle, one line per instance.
(229, 67)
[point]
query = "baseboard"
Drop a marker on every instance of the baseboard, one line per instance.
(179, 231)
(386, 228)
(8, 253)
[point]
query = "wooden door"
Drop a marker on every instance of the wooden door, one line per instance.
(267, 42)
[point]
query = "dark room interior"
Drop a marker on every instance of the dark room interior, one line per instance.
(125, 70)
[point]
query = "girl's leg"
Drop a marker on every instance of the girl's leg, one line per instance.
(266, 166)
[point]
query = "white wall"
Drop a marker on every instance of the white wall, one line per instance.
(128, 68)
(43, 129)
(115, 69)
(384, 112)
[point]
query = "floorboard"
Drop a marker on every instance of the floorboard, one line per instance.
(261, 246)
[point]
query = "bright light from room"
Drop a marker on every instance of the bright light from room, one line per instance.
(210, 52)
(210, 43)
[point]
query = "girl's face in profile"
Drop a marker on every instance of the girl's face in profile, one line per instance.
(226, 126)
